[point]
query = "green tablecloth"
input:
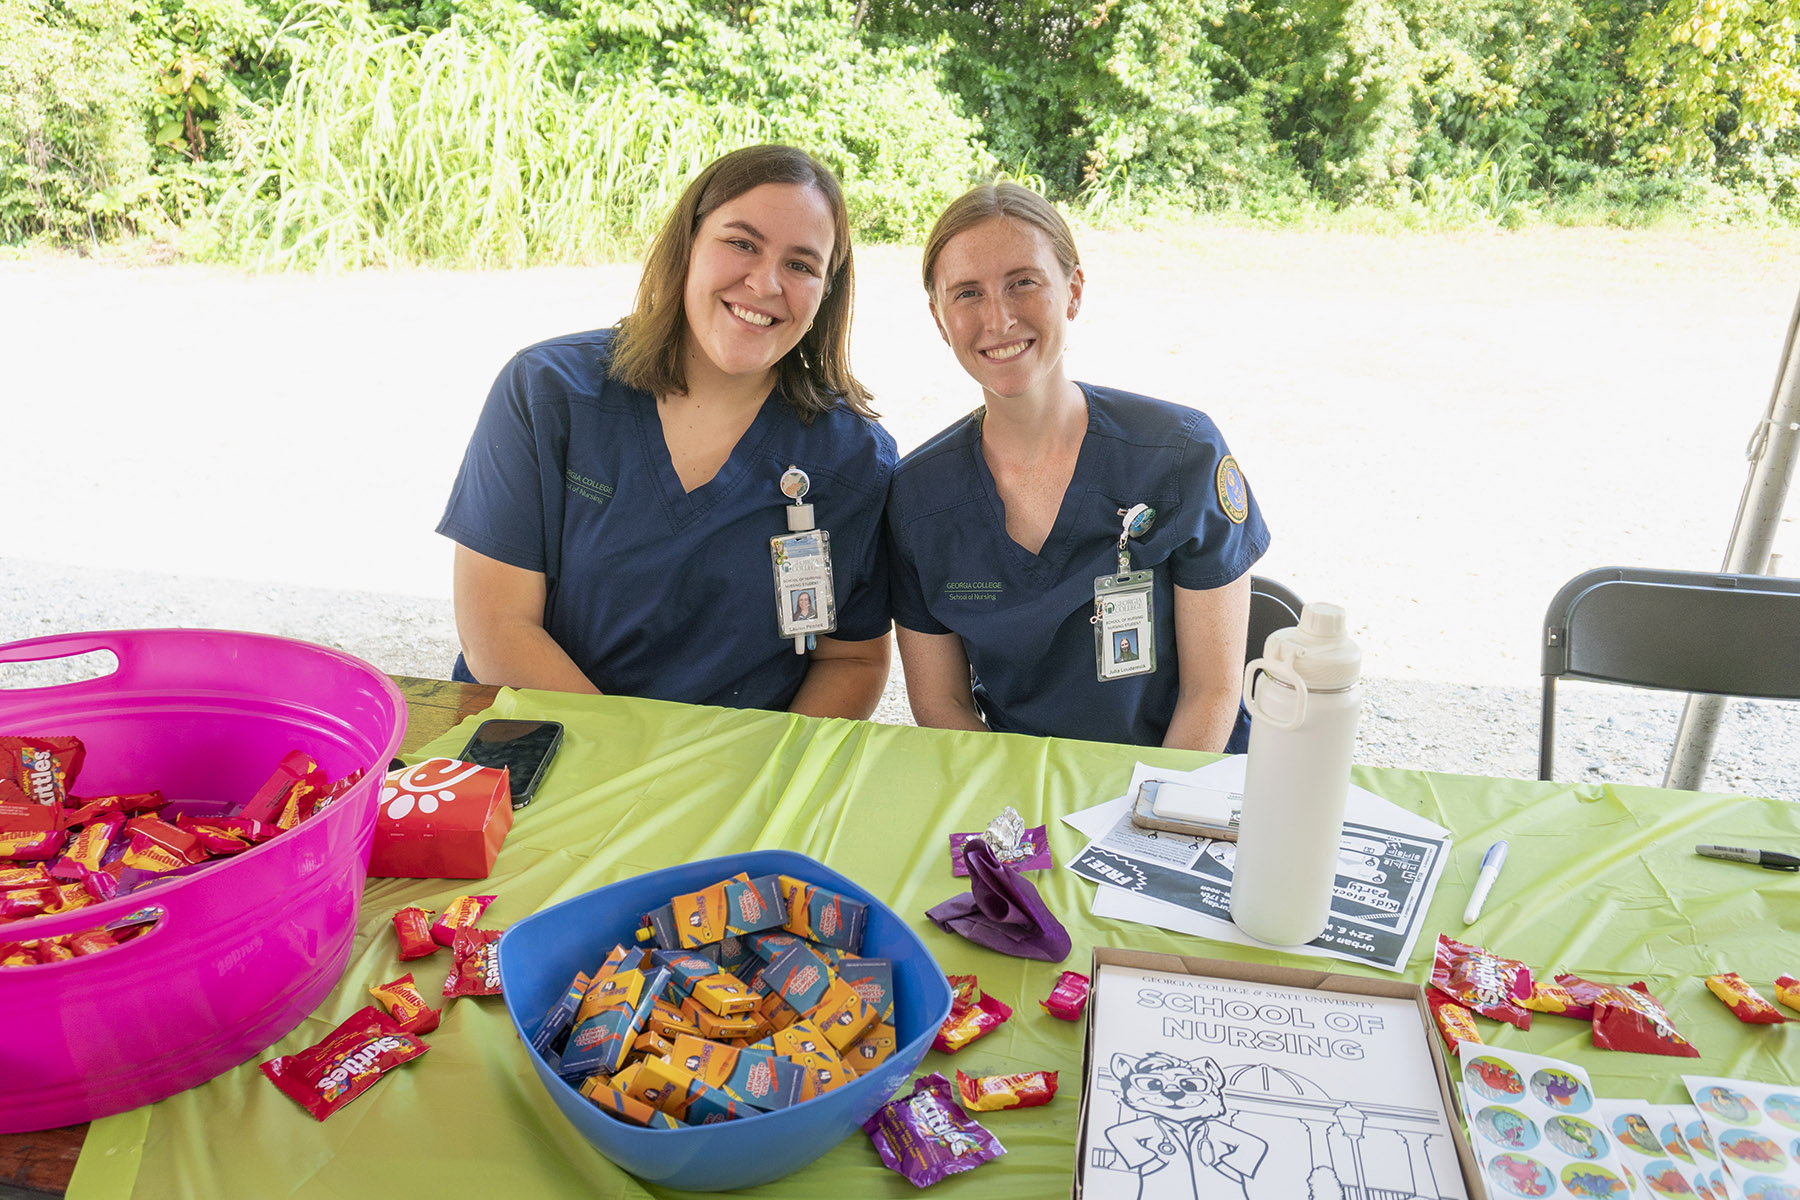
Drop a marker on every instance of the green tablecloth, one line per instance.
(1601, 881)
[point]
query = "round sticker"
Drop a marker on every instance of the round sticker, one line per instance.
(1517, 1175)
(1763, 1187)
(1584, 1180)
(1576, 1138)
(1234, 493)
(1748, 1149)
(1675, 1145)
(1493, 1080)
(1665, 1179)
(1561, 1090)
(1507, 1127)
(1634, 1131)
(1731, 1107)
(1783, 1108)
(1699, 1141)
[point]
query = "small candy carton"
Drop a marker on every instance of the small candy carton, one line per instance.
(821, 915)
(842, 1016)
(759, 1078)
(627, 1108)
(875, 1048)
(441, 819)
(800, 975)
(873, 979)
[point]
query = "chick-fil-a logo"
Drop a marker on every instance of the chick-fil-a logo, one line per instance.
(424, 786)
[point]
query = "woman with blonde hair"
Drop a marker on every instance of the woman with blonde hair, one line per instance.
(1069, 560)
(620, 514)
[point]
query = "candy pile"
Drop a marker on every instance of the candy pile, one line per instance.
(743, 997)
(60, 851)
(1468, 979)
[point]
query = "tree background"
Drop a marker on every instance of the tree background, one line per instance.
(344, 133)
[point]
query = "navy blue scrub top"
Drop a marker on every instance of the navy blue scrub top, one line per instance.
(1023, 617)
(652, 590)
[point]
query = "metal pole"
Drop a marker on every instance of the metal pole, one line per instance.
(1774, 448)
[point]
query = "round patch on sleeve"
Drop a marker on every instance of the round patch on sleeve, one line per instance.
(1234, 493)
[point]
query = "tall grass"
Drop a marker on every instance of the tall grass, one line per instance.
(459, 148)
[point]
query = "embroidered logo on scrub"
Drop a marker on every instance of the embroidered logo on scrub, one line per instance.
(1234, 493)
(586, 488)
(973, 589)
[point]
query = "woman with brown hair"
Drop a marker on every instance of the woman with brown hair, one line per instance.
(1069, 560)
(619, 515)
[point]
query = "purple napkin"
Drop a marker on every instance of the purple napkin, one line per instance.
(1002, 910)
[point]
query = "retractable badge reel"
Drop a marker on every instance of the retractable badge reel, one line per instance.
(805, 604)
(1124, 620)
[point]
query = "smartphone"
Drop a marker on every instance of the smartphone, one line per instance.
(1183, 808)
(524, 748)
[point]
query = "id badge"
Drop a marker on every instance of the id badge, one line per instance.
(804, 601)
(1124, 625)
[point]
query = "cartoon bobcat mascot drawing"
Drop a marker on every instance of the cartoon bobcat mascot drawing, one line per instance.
(1181, 1145)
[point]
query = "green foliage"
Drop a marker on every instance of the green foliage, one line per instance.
(1717, 76)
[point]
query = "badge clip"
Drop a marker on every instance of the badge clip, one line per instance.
(805, 604)
(1124, 620)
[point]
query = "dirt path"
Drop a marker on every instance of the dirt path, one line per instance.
(1440, 429)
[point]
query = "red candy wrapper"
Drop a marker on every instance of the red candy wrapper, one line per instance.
(1454, 1021)
(412, 926)
(406, 1004)
(461, 913)
(347, 1063)
(988, 1093)
(476, 971)
(1482, 982)
(1787, 990)
(975, 1021)
(41, 770)
(927, 1137)
(1742, 999)
(1069, 998)
(1632, 1019)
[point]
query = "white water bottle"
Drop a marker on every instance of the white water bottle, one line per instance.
(1304, 696)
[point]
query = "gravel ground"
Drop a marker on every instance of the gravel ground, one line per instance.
(1440, 430)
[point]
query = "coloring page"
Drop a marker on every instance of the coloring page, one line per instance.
(1216, 1089)
(1535, 1127)
(1753, 1131)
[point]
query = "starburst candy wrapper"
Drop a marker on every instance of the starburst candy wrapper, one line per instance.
(1454, 1021)
(476, 971)
(412, 928)
(347, 1063)
(1068, 999)
(294, 776)
(976, 1021)
(989, 1093)
(1561, 999)
(1787, 990)
(1482, 981)
(927, 1137)
(464, 912)
(406, 1005)
(1632, 1019)
(1742, 999)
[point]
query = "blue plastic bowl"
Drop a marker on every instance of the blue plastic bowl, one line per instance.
(539, 955)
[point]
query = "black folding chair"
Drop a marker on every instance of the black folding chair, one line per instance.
(1678, 631)
(1272, 606)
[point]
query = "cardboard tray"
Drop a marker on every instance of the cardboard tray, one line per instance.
(1256, 973)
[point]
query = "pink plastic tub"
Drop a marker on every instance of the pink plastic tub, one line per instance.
(244, 950)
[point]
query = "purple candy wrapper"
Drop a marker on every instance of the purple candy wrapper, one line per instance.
(1034, 850)
(927, 1136)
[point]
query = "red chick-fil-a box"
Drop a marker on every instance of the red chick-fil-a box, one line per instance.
(441, 819)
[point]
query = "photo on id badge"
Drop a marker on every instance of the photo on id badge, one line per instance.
(803, 596)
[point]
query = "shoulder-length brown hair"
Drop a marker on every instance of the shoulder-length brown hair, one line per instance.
(1003, 198)
(815, 374)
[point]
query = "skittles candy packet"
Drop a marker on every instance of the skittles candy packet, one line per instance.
(1742, 999)
(1632, 1019)
(1574, 998)
(927, 1137)
(1454, 1021)
(461, 913)
(476, 971)
(990, 1092)
(406, 1005)
(1482, 981)
(345, 1064)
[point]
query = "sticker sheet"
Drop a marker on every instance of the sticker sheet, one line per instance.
(1536, 1128)
(1752, 1131)
(1655, 1153)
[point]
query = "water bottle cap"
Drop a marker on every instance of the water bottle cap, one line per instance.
(1319, 649)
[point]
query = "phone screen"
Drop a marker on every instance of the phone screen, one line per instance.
(524, 748)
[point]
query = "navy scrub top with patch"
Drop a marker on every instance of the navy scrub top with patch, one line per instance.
(652, 590)
(1023, 617)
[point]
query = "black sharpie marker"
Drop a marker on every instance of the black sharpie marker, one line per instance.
(1773, 860)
